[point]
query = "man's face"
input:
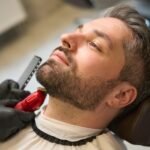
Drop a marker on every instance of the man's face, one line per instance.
(84, 69)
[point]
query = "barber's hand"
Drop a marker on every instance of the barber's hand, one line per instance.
(11, 121)
(10, 94)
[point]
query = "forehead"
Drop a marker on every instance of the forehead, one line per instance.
(108, 22)
(113, 27)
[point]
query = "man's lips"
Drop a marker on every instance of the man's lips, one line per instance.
(60, 56)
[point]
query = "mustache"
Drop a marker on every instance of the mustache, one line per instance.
(63, 49)
(66, 52)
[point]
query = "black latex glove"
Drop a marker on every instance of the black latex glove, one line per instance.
(12, 120)
(10, 94)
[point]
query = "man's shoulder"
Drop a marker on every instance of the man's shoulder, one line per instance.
(110, 141)
(15, 142)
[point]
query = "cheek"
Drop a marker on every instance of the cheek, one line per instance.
(95, 64)
(89, 64)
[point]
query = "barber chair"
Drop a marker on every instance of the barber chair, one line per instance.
(134, 127)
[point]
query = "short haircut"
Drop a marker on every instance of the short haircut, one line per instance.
(136, 70)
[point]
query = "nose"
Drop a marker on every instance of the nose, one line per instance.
(72, 40)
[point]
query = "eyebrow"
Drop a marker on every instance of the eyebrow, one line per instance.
(104, 36)
(100, 34)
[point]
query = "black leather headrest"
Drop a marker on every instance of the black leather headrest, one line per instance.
(134, 127)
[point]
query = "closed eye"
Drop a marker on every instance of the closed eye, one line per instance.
(94, 46)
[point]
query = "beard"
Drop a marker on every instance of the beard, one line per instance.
(66, 85)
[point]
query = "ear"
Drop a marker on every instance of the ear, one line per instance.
(122, 95)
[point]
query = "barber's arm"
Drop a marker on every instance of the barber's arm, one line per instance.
(12, 120)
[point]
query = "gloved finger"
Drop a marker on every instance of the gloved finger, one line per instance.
(25, 117)
(9, 84)
(13, 84)
(8, 102)
(6, 86)
(3, 88)
(19, 94)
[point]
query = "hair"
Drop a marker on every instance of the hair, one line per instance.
(136, 70)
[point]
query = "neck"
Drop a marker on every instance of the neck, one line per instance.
(65, 112)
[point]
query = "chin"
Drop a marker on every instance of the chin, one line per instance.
(42, 74)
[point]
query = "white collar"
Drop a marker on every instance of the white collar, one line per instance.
(63, 130)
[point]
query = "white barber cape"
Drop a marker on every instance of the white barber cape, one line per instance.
(28, 139)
